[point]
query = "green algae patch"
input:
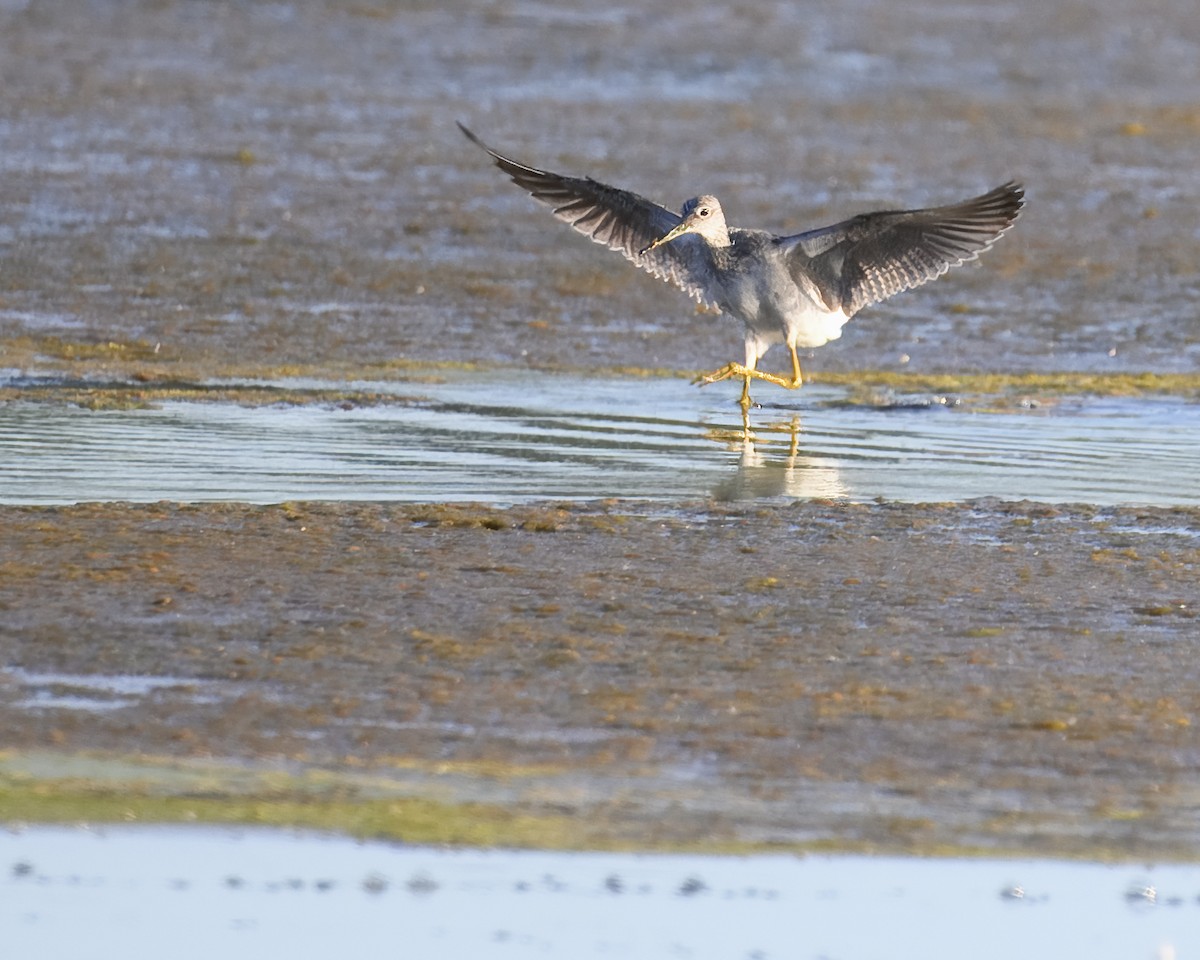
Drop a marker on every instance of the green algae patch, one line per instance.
(136, 791)
(408, 820)
(348, 663)
(144, 396)
(26, 350)
(1002, 384)
(973, 384)
(400, 801)
(171, 792)
(110, 374)
(145, 361)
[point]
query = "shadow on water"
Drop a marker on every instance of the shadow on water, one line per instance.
(504, 438)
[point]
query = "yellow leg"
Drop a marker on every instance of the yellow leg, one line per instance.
(747, 373)
(794, 446)
(797, 380)
(724, 373)
(747, 433)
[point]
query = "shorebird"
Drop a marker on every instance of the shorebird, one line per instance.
(798, 290)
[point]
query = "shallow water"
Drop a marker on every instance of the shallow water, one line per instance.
(512, 437)
(91, 692)
(259, 893)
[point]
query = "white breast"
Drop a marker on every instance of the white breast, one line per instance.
(814, 326)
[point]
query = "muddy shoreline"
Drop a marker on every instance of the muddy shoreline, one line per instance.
(197, 192)
(224, 187)
(1010, 677)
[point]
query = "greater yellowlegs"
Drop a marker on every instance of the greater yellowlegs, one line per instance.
(798, 290)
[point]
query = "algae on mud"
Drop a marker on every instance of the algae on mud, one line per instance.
(111, 374)
(273, 192)
(329, 212)
(986, 675)
(143, 790)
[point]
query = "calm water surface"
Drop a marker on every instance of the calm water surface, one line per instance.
(508, 437)
(205, 892)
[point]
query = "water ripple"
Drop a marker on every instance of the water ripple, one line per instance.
(502, 440)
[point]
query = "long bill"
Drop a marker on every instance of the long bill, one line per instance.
(680, 228)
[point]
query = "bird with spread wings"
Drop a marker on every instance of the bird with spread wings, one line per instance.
(797, 290)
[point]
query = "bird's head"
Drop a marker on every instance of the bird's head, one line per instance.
(702, 216)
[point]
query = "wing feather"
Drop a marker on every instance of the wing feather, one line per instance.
(617, 219)
(873, 256)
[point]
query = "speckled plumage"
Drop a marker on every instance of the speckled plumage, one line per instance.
(797, 290)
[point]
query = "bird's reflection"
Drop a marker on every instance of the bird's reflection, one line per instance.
(770, 465)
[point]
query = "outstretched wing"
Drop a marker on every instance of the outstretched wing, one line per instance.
(875, 255)
(617, 219)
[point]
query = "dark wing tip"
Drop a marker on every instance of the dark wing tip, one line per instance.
(1006, 201)
(987, 217)
(470, 136)
(1016, 191)
(479, 143)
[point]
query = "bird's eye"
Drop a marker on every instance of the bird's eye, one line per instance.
(703, 211)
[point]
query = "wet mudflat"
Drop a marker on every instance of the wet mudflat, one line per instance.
(979, 675)
(246, 187)
(196, 193)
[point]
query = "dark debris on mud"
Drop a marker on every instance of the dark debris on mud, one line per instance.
(988, 673)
